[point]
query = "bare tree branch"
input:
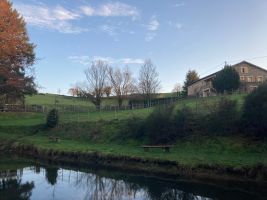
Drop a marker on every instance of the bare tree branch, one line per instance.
(149, 82)
(96, 76)
(122, 83)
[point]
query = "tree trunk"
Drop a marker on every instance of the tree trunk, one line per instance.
(120, 100)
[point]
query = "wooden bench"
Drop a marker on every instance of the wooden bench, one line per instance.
(165, 148)
(54, 138)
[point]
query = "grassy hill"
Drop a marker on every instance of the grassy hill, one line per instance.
(50, 99)
(106, 132)
(9, 119)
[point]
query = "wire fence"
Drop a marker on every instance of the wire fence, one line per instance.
(85, 109)
(78, 113)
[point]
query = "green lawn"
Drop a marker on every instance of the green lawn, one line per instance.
(225, 151)
(18, 119)
(29, 119)
(50, 99)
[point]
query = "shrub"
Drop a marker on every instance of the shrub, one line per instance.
(52, 118)
(254, 115)
(184, 122)
(223, 117)
(134, 128)
(159, 126)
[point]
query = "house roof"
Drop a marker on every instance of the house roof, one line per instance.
(242, 62)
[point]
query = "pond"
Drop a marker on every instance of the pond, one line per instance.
(24, 179)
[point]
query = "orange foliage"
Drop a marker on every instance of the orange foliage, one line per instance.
(16, 52)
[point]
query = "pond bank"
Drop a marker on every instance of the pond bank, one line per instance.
(155, 167)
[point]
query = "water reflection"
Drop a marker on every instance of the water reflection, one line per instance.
(11, 186)
(51, 175)
(56, 183)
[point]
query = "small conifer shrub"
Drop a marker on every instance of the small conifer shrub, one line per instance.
(52, 118)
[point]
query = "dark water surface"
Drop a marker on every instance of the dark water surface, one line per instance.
(23, 179)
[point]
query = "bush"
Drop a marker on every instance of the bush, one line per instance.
(254, 115)
(184, 122)
(159, 126)
(52, 119)
(134, 128)
(223, 117)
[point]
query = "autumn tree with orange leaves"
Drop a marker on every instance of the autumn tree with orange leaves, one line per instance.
(16, 56)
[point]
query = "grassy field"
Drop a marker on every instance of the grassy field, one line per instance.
(224, 151)
(18, 119)
(30, 119)
(50, 99)
(227, 151)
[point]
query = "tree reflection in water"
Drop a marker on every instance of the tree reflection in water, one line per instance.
(101, 188)
(51, 174)
(93, 186)
(11, 186)
(52, 182)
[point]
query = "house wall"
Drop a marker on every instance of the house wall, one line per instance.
(198, 87)
(248, 71)
(249, 77)
(194, 89)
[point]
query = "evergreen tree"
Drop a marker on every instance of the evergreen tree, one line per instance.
(226, 80)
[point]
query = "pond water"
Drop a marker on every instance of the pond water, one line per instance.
(23, 179)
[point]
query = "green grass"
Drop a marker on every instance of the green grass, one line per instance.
(50, 99)
(27, 119)
(76, 137)
(21, 119)
(224, 151)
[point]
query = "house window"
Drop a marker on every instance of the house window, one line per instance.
(259, 79)
(242, 78)
(249, 78)
(244, 70)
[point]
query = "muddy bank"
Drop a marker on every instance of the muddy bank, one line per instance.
(153, 167)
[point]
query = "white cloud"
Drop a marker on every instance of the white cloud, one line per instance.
(131, 61)
(86, 60)
(87, 10)
(153, 25)
(150, 36)
(175, 25)
(56, 18)
(61, 19)
(108, 29)
(179, 4)
(61, 13)
(111, 10)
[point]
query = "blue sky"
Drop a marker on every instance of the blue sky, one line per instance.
(176, 35)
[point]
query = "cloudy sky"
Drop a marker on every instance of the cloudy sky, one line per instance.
(176, 35)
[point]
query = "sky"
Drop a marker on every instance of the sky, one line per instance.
(176, 35)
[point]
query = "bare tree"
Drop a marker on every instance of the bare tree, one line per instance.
(177, 89)
(122, 83)
(149, 82)
(96, 76)
(107, 91)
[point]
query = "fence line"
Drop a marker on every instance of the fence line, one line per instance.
(112, 108)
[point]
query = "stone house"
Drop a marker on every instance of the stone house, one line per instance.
(251, 76)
